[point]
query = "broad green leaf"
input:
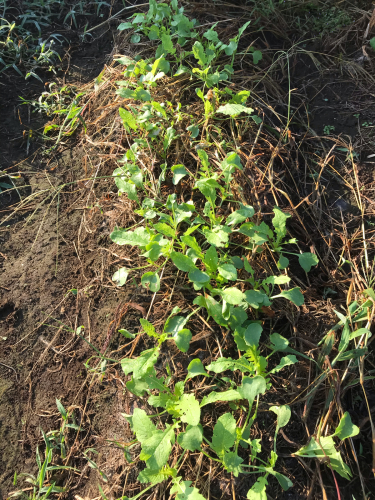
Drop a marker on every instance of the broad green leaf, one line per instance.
(256, 298)
(120, 276)
(174, 324)
(196, 368)
(252, 334)
(144, 363)
(156, 449)
(314, 450)
(234, 109)
(191, 242)
(279, 343)
(188, 406)
(194, 130)
(218, 236)
(223, 364)
(294, 295)
(224, 434)
(307, 260)
(283, 262)
(183, 262)
(232, 463)
(182, 339)
(279, 222)
(276, 280)
(283, 415)
(151, 280)
(184, 491)
(346, 428)
(257, 56)
(352, 354)
(211, 259)
(166, 40)
(233, 296)
(285, 361)
(251, 387)
(138, 387)
(232, 47)
(199, 53)
(135, 38)
(228, 271)
(238, 262)
(214, 309)
(142, 425)
(359, 333)
(165, 229)
(210, 34)
(139, 237)
(208, 188)
(179, 172)
(345, 336)
(213, 397)
(198, 277)
(192, 438)
(128, 119)
(284, 481)
(160, 400)
(240, 215)
(142, 95)
(258, 490)
(151, 476)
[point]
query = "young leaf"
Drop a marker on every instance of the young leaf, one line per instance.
(211, 259)
(189, 407)
(279, 222)
(307, 260)
(61, 409)
(128, 119)
(184, 491)
(179, 172)
(294, 295)
(223, 364)
(139, 237)
(283, 262)
(151, 476)
(251, 387)
(191, 242)
(240, 215)
(192, 438)
(213, 397)
(232, 463)
(182, 339)
(234, 109)
(120, 276)
(346, 428)
(258, 490)
(148, 328)
(183, 262)
(165, 229)
(156, 449)
(142, 425)
(224, 434)
(198, 277)
(196, 368)
(214, 309)
(174, 324)
(151, 280)
(233, 296)
(218, 236)
(285, 361)
(228, 271)
(252, 334)
(283, 415)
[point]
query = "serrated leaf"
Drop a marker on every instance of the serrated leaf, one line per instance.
(189, 407)
(258, 490)
(234, 109)
(139, 237)
(283, 415)
(192, 438)
(228, 271)
(157, 448)
(196, 368)
(151, 280)
(233, 296)
(307, 260)
(142, 425)
(232, 463)
(213, 397)
(165, 229)
(294, 295)
(346, 428)
(251, 387)
(252, 334)
(183, 262)
(224, 435)
(179, 172)
(199, 53)
(148, 328)
(285, 361)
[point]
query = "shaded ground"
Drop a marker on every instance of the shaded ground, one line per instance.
(57, 263)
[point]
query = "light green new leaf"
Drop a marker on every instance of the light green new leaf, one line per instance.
(359, 333)
(234, 109)
(191, 242)
(142, 425)
(199, 53)
(232, 463)
(223, 364)
(128, 119)
(251, 387)
(151, 280)
(151, 476)
(196, 368)
(346, 428)
(252, 334)
(213, 397)
(183, 262)
(139, 237)
(233, 296)
(279, 222)
(258, 490)
(157, 448)
(189, 408)
(307, 260)
(184, 491)
(192, 438)
(120, 276)
(224, 434)
(211, 259)
(294, 295)
(285, 361)
(283, 415)
(228, 271)
(148, 328)
(218, 236)
(165, 229)
(166, 40)
(179, 172)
